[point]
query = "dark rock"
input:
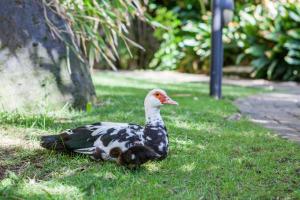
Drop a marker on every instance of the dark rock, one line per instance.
(34, 69)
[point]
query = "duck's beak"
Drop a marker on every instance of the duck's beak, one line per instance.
(170, 101)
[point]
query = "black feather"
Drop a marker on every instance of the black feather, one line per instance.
(137, 155)
(53, 142)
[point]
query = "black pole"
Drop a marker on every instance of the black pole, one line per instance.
(216, 51)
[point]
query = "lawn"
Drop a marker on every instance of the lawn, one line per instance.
(210, 156)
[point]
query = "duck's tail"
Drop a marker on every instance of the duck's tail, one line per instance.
(137, 155)
(53, 142)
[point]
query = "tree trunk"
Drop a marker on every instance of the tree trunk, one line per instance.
(37, 70)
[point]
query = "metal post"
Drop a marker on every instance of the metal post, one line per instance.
(222, 14)
(216, 51)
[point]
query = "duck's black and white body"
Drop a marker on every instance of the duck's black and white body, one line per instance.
(126, 143)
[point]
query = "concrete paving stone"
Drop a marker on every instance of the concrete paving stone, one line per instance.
(280, 110)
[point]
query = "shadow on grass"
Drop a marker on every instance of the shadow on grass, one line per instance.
(222, 163)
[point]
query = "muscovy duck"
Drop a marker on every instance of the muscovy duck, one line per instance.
(127, 144)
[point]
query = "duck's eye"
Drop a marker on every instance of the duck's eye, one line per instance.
(157, 94)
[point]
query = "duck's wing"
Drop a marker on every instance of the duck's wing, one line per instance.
(85, 136)
(107, 135)
(83, 139)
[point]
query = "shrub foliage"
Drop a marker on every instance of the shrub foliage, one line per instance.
(272, 40)
(266, 36)
(263, 34)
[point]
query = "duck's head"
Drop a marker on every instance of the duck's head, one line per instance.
(158, 97)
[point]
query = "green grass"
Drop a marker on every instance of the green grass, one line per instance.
(210, 157)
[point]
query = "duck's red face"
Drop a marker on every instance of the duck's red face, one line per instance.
(164, 99)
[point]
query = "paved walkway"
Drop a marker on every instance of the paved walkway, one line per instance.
(278, 110)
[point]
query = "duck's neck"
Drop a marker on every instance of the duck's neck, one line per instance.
(153, 116)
